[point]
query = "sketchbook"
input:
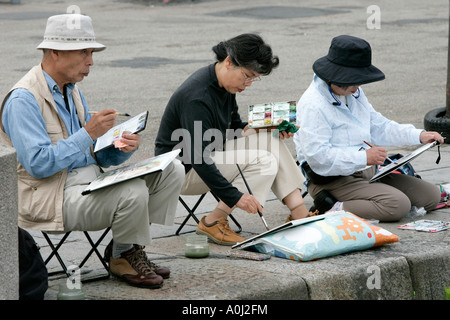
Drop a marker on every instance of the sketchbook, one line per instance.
(271, 114)
(400, 162)
(113, 136)
(284, 226)
(131, 171)
(426, 225)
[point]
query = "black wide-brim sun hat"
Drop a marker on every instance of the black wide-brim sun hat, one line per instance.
(348, 63)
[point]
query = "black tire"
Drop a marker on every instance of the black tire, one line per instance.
(435, 120)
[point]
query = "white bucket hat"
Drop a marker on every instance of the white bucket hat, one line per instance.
(70, 32)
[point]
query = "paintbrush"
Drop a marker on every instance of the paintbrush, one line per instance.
(250, 191)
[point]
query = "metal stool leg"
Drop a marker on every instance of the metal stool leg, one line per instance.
(56, 254)
(190, 212)
(94, 248)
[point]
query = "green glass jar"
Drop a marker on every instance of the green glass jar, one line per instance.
(74, 293)
(196, 246)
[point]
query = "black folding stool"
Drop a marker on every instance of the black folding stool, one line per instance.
(191, 212)
(94, 248)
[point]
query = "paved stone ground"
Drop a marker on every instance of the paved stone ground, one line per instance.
(153, 47)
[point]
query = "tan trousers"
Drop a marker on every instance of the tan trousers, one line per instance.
(388, 199)
(265, 162)
(128, 207)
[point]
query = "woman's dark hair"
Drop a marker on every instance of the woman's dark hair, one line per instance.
(249, 51)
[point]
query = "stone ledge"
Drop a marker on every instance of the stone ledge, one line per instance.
(9, 263)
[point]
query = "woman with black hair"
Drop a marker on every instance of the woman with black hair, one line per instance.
(200, 117)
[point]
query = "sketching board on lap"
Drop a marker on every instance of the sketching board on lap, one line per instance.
(400, 162)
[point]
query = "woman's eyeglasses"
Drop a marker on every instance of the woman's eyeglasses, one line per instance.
(249, 79)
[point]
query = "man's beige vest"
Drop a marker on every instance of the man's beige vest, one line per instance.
(41, 200)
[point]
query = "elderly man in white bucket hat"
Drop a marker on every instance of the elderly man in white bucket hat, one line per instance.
(46, 119)
(70, 32)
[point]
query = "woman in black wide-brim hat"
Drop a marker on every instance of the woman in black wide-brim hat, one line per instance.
(338, 125)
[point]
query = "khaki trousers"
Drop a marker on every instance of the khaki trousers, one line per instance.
(388, 199)
(127, 207)
(265, 162)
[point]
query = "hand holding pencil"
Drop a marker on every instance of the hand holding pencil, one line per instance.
(376, 155)
(100, 123)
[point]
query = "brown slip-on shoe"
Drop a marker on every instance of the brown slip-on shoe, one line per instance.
(219, 232)
(133, 269)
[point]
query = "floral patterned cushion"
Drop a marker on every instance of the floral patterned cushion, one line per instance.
(339, 232)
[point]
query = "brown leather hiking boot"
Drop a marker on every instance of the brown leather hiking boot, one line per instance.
(132, 267)
(219, 232)
(159, 270)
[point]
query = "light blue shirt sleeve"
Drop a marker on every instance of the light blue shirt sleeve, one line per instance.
(24, 124)
(331, 136)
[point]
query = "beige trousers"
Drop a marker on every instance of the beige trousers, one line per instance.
(128, 207)
(265, 162)
(388, 199)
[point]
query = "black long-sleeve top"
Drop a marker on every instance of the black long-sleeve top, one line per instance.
(198, 110)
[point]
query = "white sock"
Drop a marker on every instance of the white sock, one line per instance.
(337, 206)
